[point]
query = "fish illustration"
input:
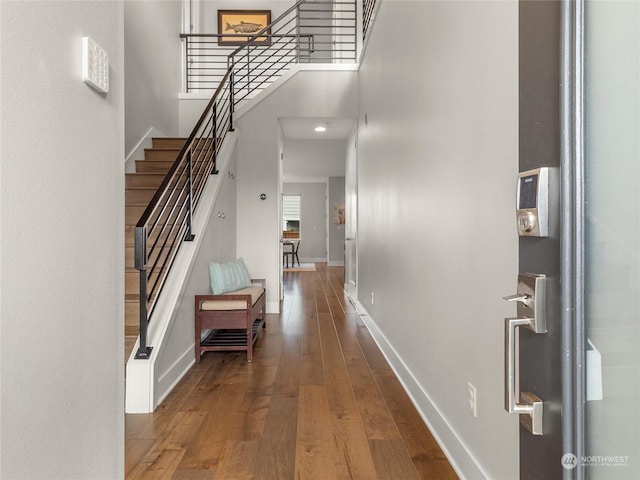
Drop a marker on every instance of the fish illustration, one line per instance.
(243, 27)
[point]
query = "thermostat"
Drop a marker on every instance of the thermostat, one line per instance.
(95, 65)
(532, 212)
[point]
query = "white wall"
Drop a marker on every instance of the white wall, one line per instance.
(62, 196)
(313, 160)
(436, 169)
(313, 219)
(219, 245)
(153, 69)
(307, 93)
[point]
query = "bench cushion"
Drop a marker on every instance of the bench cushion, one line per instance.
(211, 305)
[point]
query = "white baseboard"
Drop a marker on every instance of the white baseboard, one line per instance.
(273, 307)
(168, 380)
(313, 260)
(137, 153)
(335, 263)
(453, 447)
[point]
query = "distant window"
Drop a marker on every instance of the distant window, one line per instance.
(291, 216)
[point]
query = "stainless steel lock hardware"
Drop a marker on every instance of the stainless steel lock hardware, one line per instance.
(526, 299)
(532, 206)
(531, 309)
(532, 298)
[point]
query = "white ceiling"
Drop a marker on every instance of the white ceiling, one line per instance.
(301, 128)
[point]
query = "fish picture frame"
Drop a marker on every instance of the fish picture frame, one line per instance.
(236, 27)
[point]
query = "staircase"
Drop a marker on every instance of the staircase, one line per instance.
(139, 190)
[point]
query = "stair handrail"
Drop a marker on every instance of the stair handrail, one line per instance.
(196, 160)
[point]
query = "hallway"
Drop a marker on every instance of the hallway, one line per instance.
(319, 401)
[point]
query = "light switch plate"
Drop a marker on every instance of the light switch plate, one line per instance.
(95, 65)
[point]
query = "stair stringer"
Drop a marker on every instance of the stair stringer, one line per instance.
(146, 385)
(190, 105)
(255, 100)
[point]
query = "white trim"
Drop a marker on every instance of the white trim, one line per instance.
(453, 446)
(314, 260)
(137, 152)
(168, 381)
(335, 263)
(327, 226)
(273, 307)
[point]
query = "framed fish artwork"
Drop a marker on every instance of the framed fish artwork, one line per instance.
(235, 27)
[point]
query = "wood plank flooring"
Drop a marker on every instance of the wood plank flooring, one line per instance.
(319, 401)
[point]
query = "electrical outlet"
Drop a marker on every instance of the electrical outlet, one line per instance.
(373, 298)
(472, 399)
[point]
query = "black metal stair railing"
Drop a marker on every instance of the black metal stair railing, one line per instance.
(368, 7)
(321, 31)
(167, 221)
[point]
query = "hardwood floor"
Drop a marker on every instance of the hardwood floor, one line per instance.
(319, 401)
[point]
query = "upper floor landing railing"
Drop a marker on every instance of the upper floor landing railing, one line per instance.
(320, 31)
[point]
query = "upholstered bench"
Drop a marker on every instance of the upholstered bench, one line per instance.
(234, 317)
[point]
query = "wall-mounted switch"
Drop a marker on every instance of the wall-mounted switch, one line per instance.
(472, 399)
(95, 65)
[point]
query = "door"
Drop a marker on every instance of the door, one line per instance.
(351, 222)
(580, 117)
(540, 365)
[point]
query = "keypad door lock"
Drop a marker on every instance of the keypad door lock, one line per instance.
(532, 209)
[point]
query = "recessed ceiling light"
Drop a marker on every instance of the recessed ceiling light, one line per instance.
(321, 128)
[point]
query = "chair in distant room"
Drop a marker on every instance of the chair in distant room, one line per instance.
(293, 253)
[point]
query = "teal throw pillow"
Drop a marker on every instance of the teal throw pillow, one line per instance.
(228, 277)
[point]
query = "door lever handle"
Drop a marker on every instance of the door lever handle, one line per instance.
(519, 297)
(526, 404)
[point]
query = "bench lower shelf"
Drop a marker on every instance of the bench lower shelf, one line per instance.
(226, 339)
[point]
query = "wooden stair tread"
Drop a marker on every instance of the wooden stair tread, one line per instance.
(131, 331)
(177, 141)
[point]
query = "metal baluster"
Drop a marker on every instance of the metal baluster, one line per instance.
(144, 351)
(189, 236)
(298, 34)
(232, 102)
(214, 139)
(188, 61)
(248, 70)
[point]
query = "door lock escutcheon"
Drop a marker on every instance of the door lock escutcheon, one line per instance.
(531, 310)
